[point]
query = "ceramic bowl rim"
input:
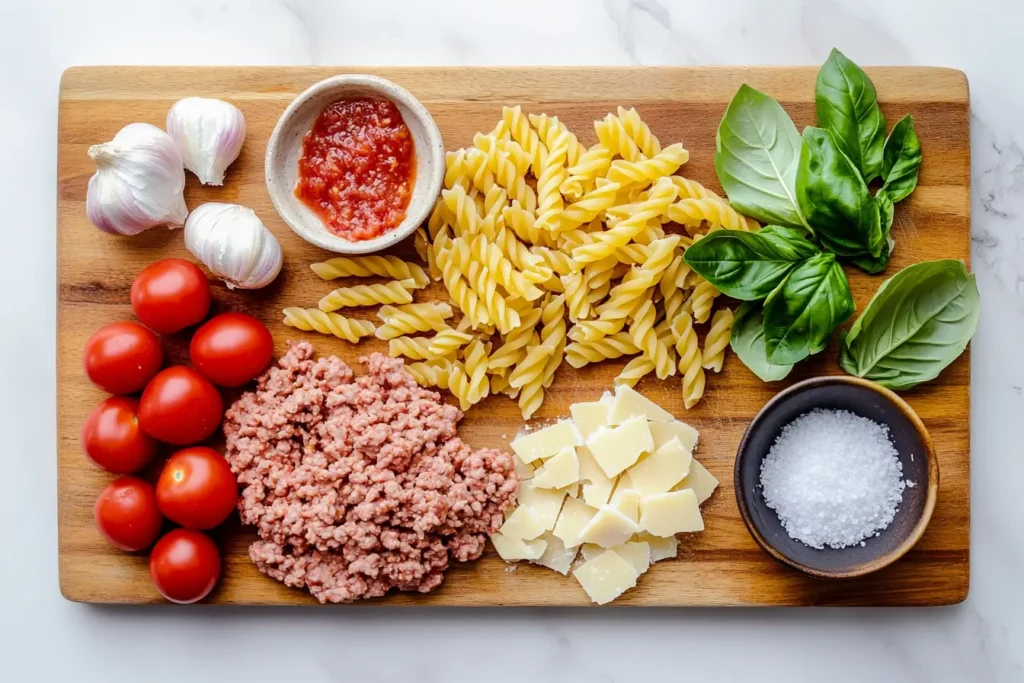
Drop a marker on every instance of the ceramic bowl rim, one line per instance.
(927, 509)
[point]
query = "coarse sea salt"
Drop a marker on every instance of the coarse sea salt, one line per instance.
(834, 478)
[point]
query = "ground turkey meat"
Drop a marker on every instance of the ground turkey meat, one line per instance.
(358, 485)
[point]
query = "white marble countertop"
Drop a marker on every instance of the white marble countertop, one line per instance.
(43, 637)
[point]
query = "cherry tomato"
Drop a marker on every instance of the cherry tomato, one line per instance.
(196, 488)
(231, 349)
(180, 406)
(127, 515)
(121, 357)
(170, 295)
(112, 439)
(184, 565)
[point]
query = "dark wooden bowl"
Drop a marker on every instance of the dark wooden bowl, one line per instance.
(912, 442)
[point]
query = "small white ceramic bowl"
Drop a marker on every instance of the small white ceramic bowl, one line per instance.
(285, 148)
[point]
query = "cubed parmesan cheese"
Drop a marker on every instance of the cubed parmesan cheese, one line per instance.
(556, 556)
(666, 514)
(574, 517)
(546, 442)
(662, 469)
(559, 471)
(606, 577)
(589, 417)
(630, 403)
(514, 549)
(661, 548)
(617, 448)
(597, 486)
(700, 480)
(608, 528)
(663, 432)
(544, 503)
(523, 470)
(522, 525)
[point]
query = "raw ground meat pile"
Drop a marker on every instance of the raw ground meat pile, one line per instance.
(359, 484)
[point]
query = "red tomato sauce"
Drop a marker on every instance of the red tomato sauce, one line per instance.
(357, 168)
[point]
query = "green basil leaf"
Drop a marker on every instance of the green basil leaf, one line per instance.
(835, 198)
(747, 342)
(746, 265)
(783, 234)
(918, 322)
(757, 151)
(876, 264)
(848, 107)
(901, 160)
(802, 312)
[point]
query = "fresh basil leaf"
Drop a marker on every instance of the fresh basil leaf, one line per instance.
(746, 265)
(901, 160)
(802, 312)
(783, 234)
(918, 322)
(757, 151)
(848, 107)
(835, 199)
(747, 342)
(876, 264)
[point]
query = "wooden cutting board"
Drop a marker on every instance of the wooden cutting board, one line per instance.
(721, 566)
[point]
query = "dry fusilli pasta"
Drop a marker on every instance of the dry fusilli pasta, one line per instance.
(315, 320)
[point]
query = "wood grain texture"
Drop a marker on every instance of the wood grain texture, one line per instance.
(721, 566)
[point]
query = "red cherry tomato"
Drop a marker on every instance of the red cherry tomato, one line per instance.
(170, 295)
(231, 349)
(196, 488)
(184, 565)
(127, 515)
(121, 357)
(112, 439)
(180, 406)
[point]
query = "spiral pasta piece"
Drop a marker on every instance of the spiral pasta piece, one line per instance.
(514, 343)
(529, 264)
(552, 174)
(548, 127)
(489, 144)
(478, 167)
(580, 353)
(514, 282)
(671, 287)
(504, 317)
(646, 339)
(576, 289)
(395, 292)
(430, 373)
(558, 261)
(591, 165)
(701, 300)
(587, 207)
(456, 172)
(639, 132)
(414, 348)
(411, 318)
(624, 297)
(593, 330)
(464, 210)
(717, 340)
(552, 335)
(613, 136)
(519, 126)
(447, 342)
(691, 189)
(692, 212)
(643, 172)
(315, 320)
(690, 360)
(634, 371)
(370, 266)
(523, 224)
(459, 385)
(457, 285)
(620, 235)
(475, 364)
(532, 365)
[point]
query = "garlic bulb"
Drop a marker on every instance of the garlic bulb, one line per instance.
(209, 134)
(138, 182)
(232, 242)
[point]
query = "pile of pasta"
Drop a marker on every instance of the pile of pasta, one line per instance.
(552, 252)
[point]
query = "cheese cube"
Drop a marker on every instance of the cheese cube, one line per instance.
(629, 403)
(522, 469)
(662, 469)
(559, 471)
(546, 442)
(617, 448)
(597, 486)
(544, 503)
(700, 480)
(574, 517)
(606, 577)
(588, 417)
(661, 548)
(522, 525)
(608, 528)
(556, 556)
(513, 549)
(663, 432)
(666, 514)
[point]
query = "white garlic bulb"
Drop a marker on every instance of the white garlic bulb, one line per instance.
(234, 244)
(209, 134)
(138, 182)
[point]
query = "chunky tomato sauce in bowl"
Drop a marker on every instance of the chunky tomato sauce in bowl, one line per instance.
(354, 164)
